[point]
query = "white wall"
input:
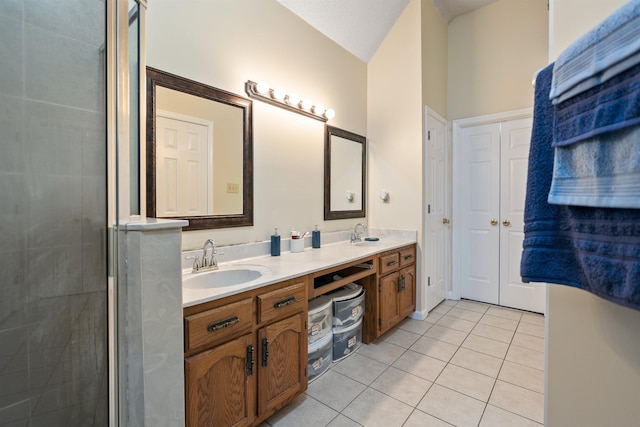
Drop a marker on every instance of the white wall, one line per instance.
(394, 101)
(224, 43)
(593, 346)
(494, 53)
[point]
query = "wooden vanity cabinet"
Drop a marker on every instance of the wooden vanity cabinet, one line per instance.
(396, 287)
(242, 377)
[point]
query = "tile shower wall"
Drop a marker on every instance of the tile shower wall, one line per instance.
(53, 334)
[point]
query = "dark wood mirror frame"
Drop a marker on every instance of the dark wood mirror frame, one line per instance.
(328, 213)
(160, 78)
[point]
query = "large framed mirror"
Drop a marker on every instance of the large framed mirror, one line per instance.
(199, 153)
(345, 174)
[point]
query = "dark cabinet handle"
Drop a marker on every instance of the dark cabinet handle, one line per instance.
(285, 302)
(265, 352)
(250, 359)
(390, 263)
(408, 257)
(223, 324)
(400, 283)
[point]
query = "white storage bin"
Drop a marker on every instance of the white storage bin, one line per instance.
(346, 340)
(348, 305)
(320, 318)
(320, 356)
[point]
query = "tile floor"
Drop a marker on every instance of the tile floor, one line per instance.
(467, 364)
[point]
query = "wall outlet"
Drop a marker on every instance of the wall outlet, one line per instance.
(233, 188)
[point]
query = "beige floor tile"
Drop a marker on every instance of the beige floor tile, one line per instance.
(432, 317)
(499, 322)
(421, 419)
(447, 335)
(401, 385)
(335, 390)
(342, 421)
(373, 409)
(434, 348)
(525, 356)
(496, 417)
(478, 362)
(493, 333)
(522, 376)
(518, 400)
(473, 306)
(441, 309)
(452, 407)
(505, 312)
(400, 337)
(528, 341)
(456, 323)
(304, 410)
(360, 368)
(449, 302)
(422, 366)
(486, 346)
(531, 329)
(461, 313)
(381, 351)
(535, 319)
(466, 382)
(415, 326)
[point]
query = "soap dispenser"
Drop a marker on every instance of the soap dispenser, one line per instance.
(315, 238)
(275, 243)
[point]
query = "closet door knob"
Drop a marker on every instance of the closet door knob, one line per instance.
(506, 223)
(445, 220)
(494, 222)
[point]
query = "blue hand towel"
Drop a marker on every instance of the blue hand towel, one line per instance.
(595, 249)
(598, 55)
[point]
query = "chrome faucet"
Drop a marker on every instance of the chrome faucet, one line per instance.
(210, 263)
(355, 236)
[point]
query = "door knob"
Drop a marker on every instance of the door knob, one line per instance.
(445, 221)
(506, 223)
(494, 222)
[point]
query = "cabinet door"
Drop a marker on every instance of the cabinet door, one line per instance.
(283, 362)
(388, 301)
(407, 294)
(219, 389)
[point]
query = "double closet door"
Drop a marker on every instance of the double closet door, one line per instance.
(492, 178)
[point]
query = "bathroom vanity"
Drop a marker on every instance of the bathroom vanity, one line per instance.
(246, 345)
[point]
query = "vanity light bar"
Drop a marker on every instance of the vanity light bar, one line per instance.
(291, 102)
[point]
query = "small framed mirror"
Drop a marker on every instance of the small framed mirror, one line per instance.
(199, 153)
(344, 174)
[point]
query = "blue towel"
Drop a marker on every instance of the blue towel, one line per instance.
(598, 55)
(595, 249)
(603, 171)
(610, 106)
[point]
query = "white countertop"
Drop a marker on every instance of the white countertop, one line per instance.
(290, 265)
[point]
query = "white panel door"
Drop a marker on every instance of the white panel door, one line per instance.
(479, 242)
(437, 254)
(515, 141)
(182, 168)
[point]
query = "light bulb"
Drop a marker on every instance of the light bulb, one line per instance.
(306, 104)
(293, 99)
(278, 93)
(262, 87)
(318, 109)
(329, 113)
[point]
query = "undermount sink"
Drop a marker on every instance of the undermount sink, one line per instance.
(224, 277)
(367, 243)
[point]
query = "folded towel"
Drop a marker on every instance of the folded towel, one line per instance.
(599, 54)
(595, 249)
(603, 171)
(613, 105)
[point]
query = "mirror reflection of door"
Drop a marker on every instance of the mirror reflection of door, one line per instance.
(346, 174)
(184, 165)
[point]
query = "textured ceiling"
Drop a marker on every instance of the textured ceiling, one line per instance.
(360, 25)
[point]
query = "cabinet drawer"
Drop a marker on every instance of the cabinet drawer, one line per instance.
(407, 256)
(389, 263)
(213, 326)
(291, 299)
